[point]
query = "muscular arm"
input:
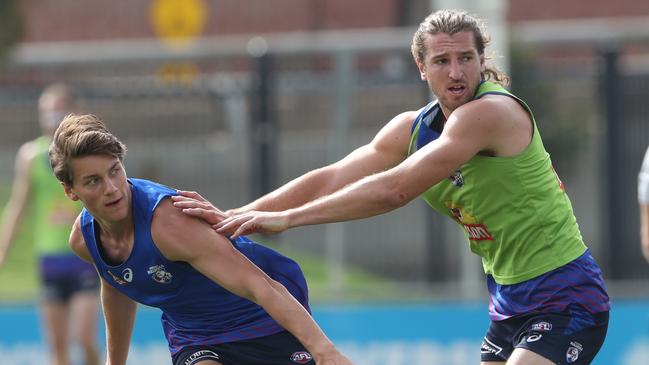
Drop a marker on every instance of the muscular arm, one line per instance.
(388, 148)
(20, 195)
(119, 310)
(492, 125)
(183, 238)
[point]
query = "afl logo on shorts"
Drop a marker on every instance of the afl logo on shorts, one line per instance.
(542, 326)
(301, 357)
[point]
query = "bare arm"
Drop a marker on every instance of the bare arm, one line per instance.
(119, 316)
(491, 125)
(20, 195)
(119, 310)
(183, 238)
(388, 148)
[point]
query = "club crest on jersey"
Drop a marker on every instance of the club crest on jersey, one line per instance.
(573, 352)
(457, 179)
(159, 274)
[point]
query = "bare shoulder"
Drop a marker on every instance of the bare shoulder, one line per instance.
(394, 137)
(179, 236)
(408, 116)
(26, 154)
(167, 222)
(500, 124)
(402, 120)
(77, 242)
(496, 108)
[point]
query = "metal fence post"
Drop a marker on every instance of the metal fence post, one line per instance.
(610, 94)
(263, 131)
(338, 147)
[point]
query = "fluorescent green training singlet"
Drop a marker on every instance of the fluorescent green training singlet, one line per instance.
(53, 213)
(514, 210)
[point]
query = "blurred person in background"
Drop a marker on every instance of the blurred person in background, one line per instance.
(475, 154)
(643, 201)
(69, 286)
(218, 306)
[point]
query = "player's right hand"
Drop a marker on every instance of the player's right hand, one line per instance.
(253, 222)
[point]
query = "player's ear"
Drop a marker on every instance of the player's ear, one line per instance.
(422, 69)
(68, 191)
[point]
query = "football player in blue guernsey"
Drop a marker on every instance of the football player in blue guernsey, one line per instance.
(222, 301)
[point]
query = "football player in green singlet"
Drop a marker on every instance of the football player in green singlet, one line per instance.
(69, 286)
(474, 154)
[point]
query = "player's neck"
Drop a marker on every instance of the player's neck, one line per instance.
(116, 242)
(117, 231)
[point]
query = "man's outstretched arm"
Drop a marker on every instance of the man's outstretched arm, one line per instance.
(388, 148)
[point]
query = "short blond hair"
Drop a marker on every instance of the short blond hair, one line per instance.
(78, 136)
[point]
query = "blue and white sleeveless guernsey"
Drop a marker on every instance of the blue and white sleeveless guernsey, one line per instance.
(195, 310)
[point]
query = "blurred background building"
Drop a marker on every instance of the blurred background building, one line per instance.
(233, 98)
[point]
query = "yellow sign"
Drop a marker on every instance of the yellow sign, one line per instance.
(170, 74)
(178, 22)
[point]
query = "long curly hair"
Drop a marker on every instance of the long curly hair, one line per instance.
(450, 22)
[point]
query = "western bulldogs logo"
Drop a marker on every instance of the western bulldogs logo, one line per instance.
(457, 179)
(159, 274)
(573, 352)
(301, 357)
